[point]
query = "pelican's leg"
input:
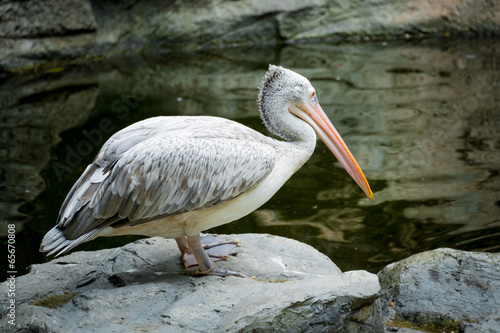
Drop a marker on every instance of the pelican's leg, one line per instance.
(187, 258)
(217, 250)
(206, 265)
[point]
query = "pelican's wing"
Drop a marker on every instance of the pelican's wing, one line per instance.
(113, 148)
(136, 133)
(158, 177)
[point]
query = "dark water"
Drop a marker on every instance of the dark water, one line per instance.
(422, 119)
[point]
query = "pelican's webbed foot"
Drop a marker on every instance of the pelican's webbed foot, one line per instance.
(214, 271)
(203, 252)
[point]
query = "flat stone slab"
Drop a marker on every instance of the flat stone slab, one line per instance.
(142, 287)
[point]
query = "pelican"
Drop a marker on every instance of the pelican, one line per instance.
(178, 176)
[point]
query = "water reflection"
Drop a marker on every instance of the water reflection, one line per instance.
(422, 120)
(34, 110)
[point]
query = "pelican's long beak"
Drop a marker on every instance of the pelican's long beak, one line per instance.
(314, 115)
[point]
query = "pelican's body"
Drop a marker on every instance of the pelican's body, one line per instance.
(277, 161)
(178, 176)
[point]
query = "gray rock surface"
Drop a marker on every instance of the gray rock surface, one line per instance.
(443, 289)
(33, 32)
(24, 19)
(141, 287)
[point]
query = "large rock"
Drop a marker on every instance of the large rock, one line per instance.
(443, 289)
(33, 32)
(141, 287)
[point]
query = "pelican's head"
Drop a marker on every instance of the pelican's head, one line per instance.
(284, 93)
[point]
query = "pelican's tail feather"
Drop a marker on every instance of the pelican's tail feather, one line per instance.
(55, 242)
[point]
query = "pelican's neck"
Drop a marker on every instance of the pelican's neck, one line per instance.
(300, 138)
(277, 89)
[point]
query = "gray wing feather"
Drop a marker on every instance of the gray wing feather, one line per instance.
(136, 133)
(86, 186)
(165, 176)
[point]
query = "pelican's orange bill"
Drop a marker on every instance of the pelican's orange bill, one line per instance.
(327, 132)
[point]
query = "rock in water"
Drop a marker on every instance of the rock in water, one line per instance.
(35, 33)
(141, 287)
(443, 288)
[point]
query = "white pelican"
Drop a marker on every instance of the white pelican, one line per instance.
(178, 176)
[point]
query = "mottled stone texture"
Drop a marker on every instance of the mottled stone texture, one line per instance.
(35, 19)
(443, 287)
(37, 31)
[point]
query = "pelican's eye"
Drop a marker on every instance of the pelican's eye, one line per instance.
(312, 96)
